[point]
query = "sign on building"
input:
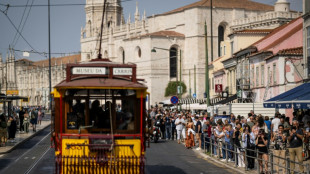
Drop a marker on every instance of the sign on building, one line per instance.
(218, 88)
(12, 92)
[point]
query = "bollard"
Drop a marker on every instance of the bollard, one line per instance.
(271, 162)
(211, 146)
(307, 168)
(236, 156)
(226, 152)
(245, 159)
(218, 150)
(257, 154)
(288, 170)
(204, 143)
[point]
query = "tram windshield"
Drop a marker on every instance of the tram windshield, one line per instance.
(107, 108)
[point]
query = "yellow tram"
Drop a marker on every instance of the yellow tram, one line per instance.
(98, 119)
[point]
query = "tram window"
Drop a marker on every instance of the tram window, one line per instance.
(100, 113)
(125, 114)
(76, 114)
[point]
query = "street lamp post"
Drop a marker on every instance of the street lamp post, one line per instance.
(207, 92)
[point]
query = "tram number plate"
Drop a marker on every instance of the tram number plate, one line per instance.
(71, 121)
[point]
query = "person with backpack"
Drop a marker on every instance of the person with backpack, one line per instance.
(3, 130)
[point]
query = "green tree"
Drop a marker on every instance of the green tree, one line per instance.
(171, 88)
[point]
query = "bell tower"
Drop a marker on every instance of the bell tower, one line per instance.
(112, 17)
(282, 5)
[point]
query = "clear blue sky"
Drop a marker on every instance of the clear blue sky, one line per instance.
(66, 23)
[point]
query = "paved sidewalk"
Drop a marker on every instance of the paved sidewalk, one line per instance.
(22, 137)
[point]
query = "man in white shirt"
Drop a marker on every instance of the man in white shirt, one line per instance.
(275, 123)
(180, 123)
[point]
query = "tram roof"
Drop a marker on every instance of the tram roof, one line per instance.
(97, 82)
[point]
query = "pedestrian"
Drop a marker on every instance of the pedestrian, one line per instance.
(261, 142)
(3, 130)
(34, 119)
(190, 140)
(248, 139)
(40, 114)
(295, 149)
(12, 127)
(173, 127)
(206, 129)
(198, 127)
(21, 120)
(227, 146)
(179, 122)
(26, 122)
(279, 148)
(275, 123)
(168, 126)
(240, 151)
(218, 138)
(184, 128)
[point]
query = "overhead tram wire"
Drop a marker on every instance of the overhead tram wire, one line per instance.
(23, 24)
(20, 23)
(20, 33)
(57, 5)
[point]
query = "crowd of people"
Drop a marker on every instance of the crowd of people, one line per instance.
(19, 120)
(240, 139)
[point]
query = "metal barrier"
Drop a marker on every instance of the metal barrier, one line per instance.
(270, 161)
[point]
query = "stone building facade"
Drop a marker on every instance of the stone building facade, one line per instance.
(31, 79)
(178, 36)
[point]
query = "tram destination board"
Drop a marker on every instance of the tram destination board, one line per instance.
(174, 100)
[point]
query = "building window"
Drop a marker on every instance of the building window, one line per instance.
(257, 76)
(105, 55)
(274, 74)
(231, 48)
(262, 75)
(252, 77)
(173, 62)
(269, 76)
(220, 38)
(224, 51)
(138, 52)
(212, 83)
(123, 55)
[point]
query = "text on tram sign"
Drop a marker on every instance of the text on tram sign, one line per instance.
(122, 71)
(89, 70)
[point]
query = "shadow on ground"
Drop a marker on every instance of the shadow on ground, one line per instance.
(156, 169)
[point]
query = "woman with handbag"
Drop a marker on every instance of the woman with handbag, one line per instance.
(279, 138)
(261, 143)
(248, 139)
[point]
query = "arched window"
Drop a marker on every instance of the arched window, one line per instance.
(121, 54)
(123, 57)
(105, 55)
(89, 28)
(138, 52)
(221, 30)
(173, 62)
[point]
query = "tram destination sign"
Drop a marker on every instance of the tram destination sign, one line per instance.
(122, 71)
(89, 71)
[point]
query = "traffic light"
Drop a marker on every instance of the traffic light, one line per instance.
(205, 95)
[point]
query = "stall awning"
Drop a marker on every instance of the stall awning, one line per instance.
(298, 97)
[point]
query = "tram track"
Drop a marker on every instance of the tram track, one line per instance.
(28, 160)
